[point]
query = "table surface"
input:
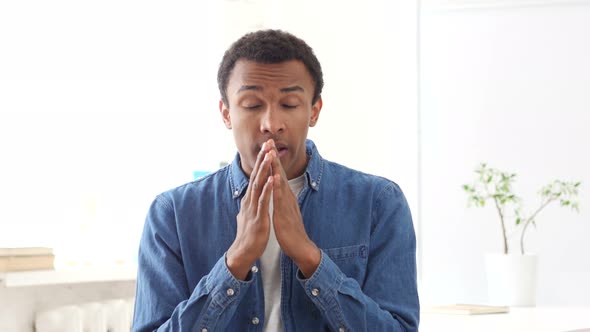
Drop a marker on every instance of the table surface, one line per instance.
(537, 319)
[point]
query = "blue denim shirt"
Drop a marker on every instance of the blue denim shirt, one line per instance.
(366, 279)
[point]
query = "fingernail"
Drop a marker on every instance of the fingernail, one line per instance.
(263, 146)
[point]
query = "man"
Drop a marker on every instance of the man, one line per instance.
(280, 239)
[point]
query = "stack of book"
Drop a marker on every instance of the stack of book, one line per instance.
(26, 259)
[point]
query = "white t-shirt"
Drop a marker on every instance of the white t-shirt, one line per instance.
(270, 267)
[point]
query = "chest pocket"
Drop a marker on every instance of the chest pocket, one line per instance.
(352, 260)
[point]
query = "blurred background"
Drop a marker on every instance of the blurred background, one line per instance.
(103, 105)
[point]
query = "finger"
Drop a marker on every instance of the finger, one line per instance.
(264, 199)
(259, 181)
(259, 160)
(277, 167)
(277, 185)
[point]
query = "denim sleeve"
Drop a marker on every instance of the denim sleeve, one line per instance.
(164, 301)
(387, 300)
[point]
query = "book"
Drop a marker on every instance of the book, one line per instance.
(467, 309)
(26, 263)
(26, 251)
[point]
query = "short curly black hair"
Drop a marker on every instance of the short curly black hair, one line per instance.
(270, 46)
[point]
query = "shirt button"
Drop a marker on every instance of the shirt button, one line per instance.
(230, 292)
(255, 321)
(254, 269)
(313, 184)
(204, 330)
(236, 193)
(315, 292)
(341, 329)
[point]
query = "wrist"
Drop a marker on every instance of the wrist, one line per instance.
(309, 261)
(237, 266)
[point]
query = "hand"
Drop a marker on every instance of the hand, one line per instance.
(288, 223)
(253, 219)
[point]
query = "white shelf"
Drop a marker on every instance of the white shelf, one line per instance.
(68, 276)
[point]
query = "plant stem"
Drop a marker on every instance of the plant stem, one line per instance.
(503, 225)
(530, 220)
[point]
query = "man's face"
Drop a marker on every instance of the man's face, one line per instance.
(271, 101)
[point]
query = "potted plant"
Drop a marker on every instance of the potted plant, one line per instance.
(512, 277)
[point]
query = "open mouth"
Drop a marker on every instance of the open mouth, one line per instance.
(282, 149)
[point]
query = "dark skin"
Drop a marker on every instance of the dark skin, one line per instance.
(275, 109)
(254, 221)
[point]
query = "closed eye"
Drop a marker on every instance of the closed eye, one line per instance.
(254, 107)
(289, 106)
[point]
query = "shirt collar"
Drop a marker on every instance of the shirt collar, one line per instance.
(239, 181)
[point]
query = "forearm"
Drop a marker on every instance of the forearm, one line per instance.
(211, 304)
(346, 305)
(308, 259)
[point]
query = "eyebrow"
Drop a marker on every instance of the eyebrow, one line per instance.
(259, 88)
(249, 87)
(292, 88)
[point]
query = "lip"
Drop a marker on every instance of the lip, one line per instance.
(282, 149)
(283, 152)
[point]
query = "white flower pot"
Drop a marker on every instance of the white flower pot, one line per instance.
(512, 279)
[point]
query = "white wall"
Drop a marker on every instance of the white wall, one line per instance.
(508, 85)
(104, 105)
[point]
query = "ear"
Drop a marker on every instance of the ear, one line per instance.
(224, 111)
(315, 112)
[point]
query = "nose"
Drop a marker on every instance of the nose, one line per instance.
(271, 122)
